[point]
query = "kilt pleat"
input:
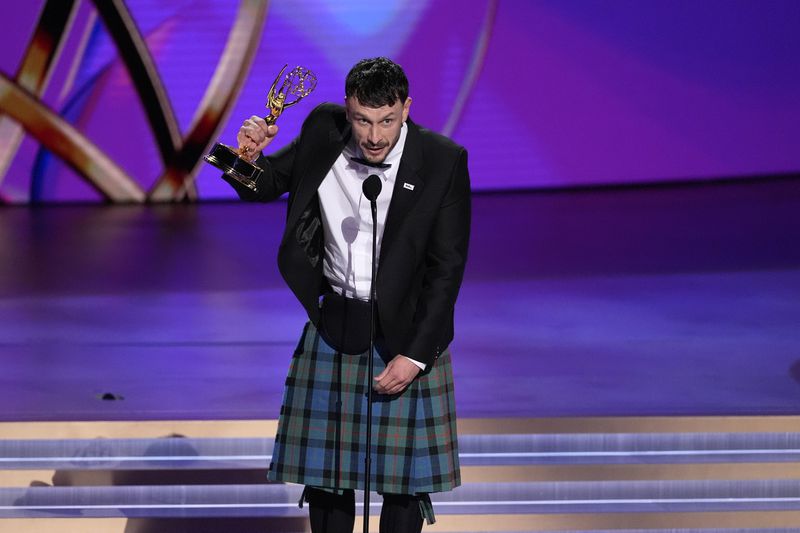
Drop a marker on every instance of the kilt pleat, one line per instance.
(321, 434)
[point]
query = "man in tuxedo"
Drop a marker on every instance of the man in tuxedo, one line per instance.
(325, 257)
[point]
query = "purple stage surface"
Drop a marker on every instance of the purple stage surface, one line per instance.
(673, 300)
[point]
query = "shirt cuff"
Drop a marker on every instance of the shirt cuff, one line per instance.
(420, 365)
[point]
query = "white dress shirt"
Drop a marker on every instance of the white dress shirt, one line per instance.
(347, 219)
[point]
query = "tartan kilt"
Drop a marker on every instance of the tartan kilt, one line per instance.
(321, 431)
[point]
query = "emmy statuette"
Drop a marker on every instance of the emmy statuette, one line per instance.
(236, 163)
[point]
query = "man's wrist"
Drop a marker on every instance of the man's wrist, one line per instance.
(421, 366)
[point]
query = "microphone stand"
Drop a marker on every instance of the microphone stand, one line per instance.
(371, 189)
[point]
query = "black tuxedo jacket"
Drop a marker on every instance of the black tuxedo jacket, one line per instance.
(424, 246)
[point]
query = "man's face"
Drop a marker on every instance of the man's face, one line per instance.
(376, 130)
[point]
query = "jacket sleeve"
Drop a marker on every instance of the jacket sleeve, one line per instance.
(445, 259)
(275, 179)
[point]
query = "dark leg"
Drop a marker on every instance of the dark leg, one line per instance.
(329, 512)
(400, 514)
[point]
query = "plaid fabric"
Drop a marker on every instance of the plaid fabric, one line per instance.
(321, 430)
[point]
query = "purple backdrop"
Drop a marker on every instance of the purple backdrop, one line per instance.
(542, 93)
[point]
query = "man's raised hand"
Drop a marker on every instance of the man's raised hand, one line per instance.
(254, 136)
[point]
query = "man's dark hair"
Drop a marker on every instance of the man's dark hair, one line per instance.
(377, 82)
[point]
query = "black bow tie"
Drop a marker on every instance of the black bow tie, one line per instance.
(362, 161)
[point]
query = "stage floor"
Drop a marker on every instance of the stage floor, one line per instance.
(674, 300)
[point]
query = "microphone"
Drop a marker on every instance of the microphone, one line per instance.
(372, 187)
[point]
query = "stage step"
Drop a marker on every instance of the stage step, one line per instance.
(475, 450)
(166, 501)
(654, 481)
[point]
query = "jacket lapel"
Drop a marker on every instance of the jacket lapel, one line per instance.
(315, 171)
(407, 186)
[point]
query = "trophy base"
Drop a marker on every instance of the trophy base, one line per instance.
(228, 161)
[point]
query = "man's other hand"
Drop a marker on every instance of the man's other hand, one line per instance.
(397, 375)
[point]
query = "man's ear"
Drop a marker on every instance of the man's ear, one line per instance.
(406, 107)
(346, 110)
